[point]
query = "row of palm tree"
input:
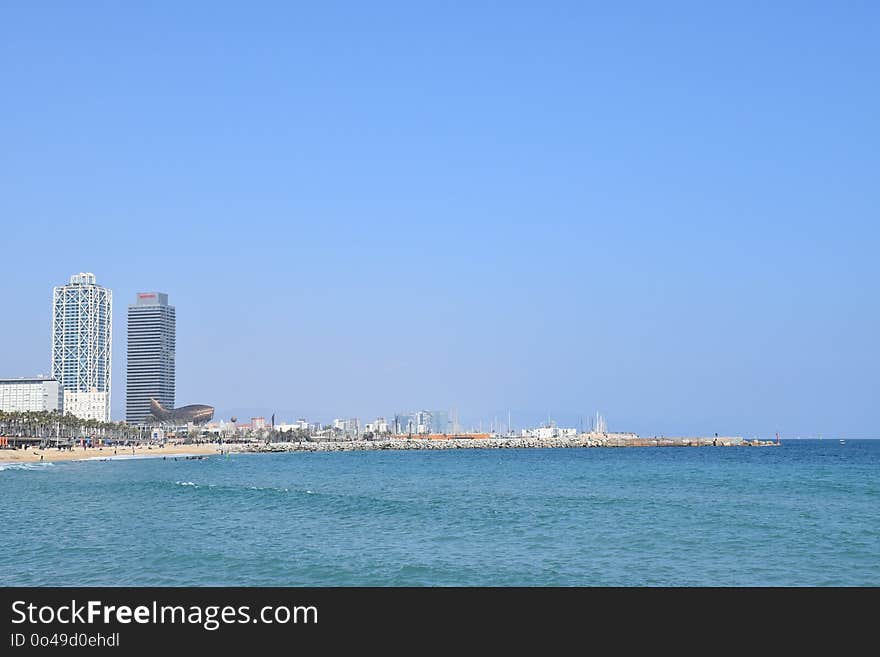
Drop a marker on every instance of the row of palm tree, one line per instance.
(56, 426)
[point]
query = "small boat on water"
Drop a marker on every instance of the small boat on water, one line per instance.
(842, 441)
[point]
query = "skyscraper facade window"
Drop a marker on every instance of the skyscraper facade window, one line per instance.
(150, 371)
(82, 329)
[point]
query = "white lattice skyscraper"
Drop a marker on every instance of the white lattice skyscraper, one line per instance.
(82, 328)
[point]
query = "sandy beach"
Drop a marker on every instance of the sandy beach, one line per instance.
(78, 453)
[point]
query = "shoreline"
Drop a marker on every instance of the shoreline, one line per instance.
(119, 452)
(208, 449)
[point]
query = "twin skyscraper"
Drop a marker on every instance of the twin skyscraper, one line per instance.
(152, 329)
(82, 330)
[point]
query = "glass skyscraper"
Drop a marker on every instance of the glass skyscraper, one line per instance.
(151, 344)
(82, 328)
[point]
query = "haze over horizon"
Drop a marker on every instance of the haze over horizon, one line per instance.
(664, 213)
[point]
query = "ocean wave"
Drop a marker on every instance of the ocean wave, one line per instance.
(235, 488)
(26, 466)
(192, 484)
(269, 488)
(138, 457)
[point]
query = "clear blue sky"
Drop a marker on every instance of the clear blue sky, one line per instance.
(664, 211)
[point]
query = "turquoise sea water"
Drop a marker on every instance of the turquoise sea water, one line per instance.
(805, 513)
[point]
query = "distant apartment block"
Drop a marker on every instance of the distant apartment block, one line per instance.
(379, 425)
(421, 422)
(92, 405)
(29, 394)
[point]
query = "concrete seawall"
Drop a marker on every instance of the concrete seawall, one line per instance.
(583, 440)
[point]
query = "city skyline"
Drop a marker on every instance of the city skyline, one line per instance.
(476, 419)
(82, 335)
(666, 214)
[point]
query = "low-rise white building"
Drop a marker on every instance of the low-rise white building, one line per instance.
(379, 425)
(91, 405)
(545, 433)
(30, 394)
(351, 425)
(300, 425)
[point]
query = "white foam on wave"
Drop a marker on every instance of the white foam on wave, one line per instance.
(194, 485)
(138, 457)
(12, 465)
(277, 490)
(234, 487)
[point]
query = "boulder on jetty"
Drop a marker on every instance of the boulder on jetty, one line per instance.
(581, 440)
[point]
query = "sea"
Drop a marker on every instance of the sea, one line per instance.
(801, 514)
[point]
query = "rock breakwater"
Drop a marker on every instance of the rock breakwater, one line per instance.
(583, 440)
